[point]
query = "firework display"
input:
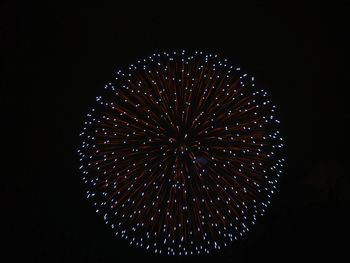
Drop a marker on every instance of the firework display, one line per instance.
(181, 153)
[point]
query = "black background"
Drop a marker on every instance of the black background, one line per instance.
(59, 56)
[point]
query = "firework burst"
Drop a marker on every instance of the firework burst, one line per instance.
(181, 153)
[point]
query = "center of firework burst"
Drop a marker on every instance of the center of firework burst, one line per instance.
(180, 144)
(182, 148)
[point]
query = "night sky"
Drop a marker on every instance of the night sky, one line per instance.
(58, 58)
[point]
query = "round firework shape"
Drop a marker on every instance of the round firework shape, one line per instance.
(181, 153)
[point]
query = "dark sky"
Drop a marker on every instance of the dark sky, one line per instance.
(59, 56)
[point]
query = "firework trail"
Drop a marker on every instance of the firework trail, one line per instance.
(181, 153)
